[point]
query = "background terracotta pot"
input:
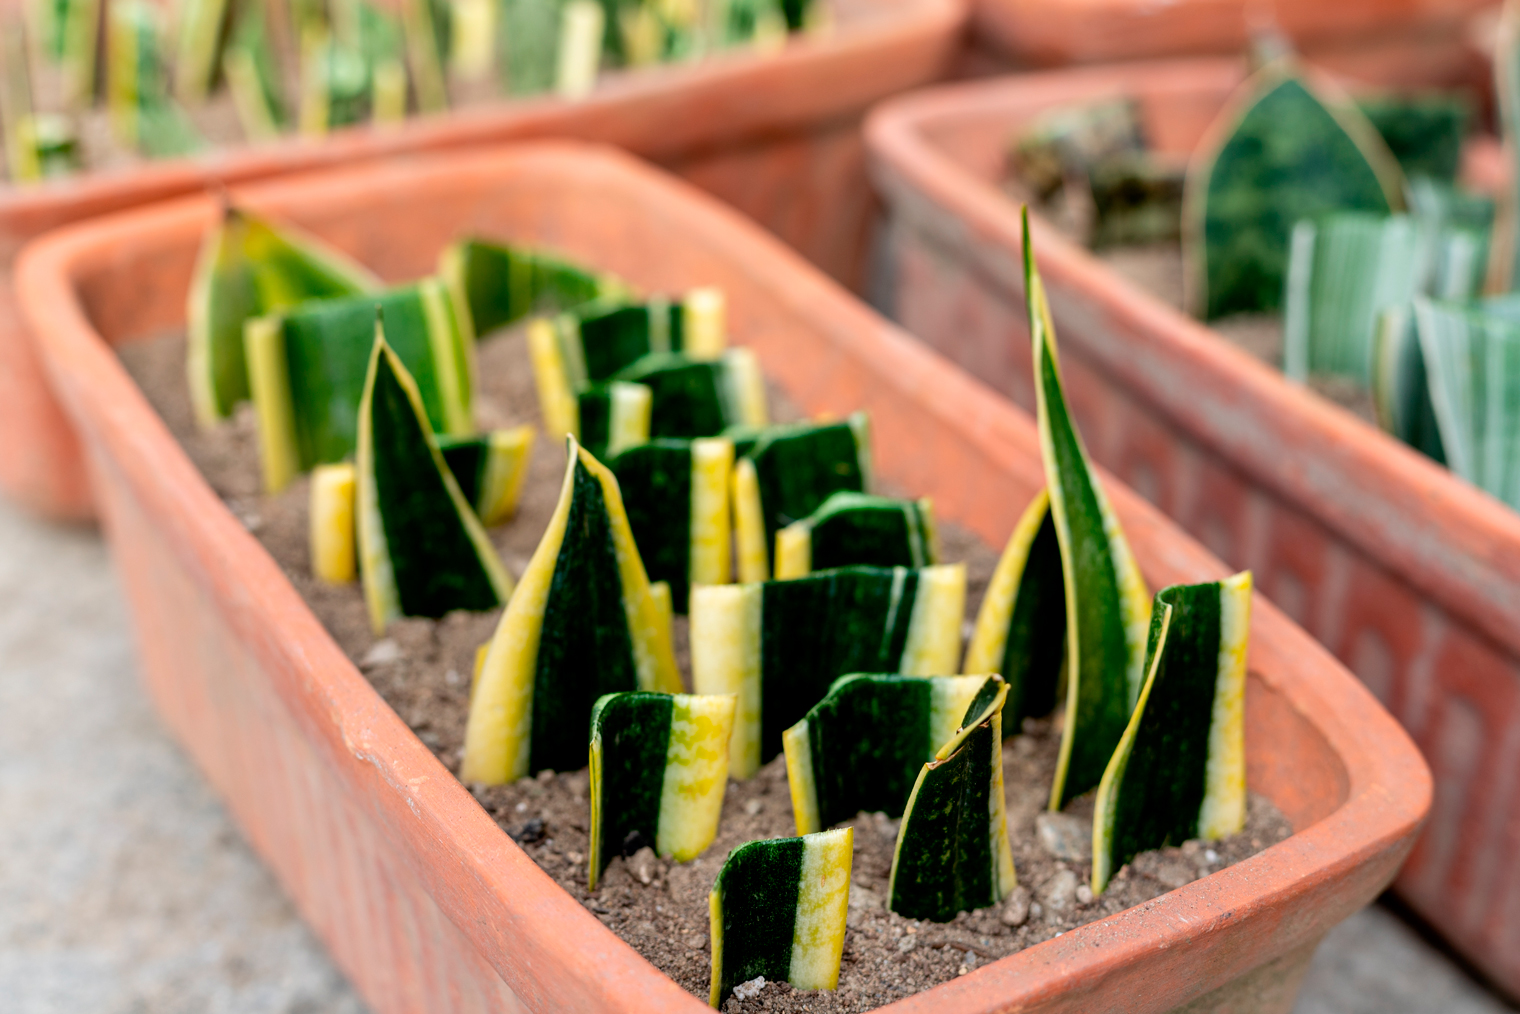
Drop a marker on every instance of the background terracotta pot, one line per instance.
(1411, 576)
(1089, 31)
(422, 899)
(777, 136)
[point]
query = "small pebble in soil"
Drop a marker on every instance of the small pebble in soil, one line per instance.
(1015, 908)
(752, 988)
(1065, 836)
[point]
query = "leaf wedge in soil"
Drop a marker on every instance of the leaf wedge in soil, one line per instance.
(952, 851)
(778, 910)
(583, 621)
(863, 745)
(1107, 607)
(857, 528)
(779, 645)
(659, 769)
(422, 550)
(1179, 772)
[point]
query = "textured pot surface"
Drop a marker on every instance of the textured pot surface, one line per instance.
(1411, 576)
(776, 136)
(1089, 31)
(422, 899)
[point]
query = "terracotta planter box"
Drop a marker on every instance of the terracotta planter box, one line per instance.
(776, 136)
(1409, 575)
(422, 899)
(1089, 31)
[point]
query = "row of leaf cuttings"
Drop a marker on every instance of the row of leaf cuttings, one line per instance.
(308, 66)
(823, 625)
(1346, 217)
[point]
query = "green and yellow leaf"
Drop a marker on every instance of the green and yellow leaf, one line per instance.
(1107, 608)
(858, 528)
(422, 550)
(778, 910)
(584, 621)
(1180, 770)
(659, 769)
(952, 850)
(779, 645)
(862, 746)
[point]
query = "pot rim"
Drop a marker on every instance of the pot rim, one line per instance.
(1297, 888)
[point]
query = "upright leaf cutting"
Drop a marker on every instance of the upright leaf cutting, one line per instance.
(952, 851)
(863, 745)
(676, 496)
(422, 550)
(1106, 602)
(785, 473)
(858, 528)
(1180, 770)
(583, 622)
(249, 267)
(1278, 153)
(307, 372)
(490, 469)
(700, 397)
(493, 285)
(1020, 630)
(779, 645)
(778, 910)
(659, 768)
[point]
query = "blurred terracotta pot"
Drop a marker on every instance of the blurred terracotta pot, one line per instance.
(1408, 574)
(1048, 32)
(777, 136)
(422, 899)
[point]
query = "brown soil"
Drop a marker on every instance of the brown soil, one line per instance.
(422, 669)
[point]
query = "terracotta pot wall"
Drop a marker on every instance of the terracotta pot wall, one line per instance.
(1053, 32)
(1411, 577)
(424, 901)
(776, 136)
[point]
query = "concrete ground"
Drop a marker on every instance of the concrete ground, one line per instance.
(125, 888)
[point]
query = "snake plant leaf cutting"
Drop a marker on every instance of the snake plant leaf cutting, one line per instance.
(1020, 629)
(1107, 607)
(778, 910)
(1471, 355)
(493, 285)
(422, 550)
(249, 267)
(1180, 770)
(659, 768)
(1401, 384)
(143, 115)
(785, 473)
(700, 397)
(601, 339)
(490, 469)
(250, 68)
(307, 372)
(333, 490)
(858, 528)
(1280, 152)
(952, 850)
(1424, 132)
(779, 645)
(612, 417)
(583, 622)
(862, 746)
(1343, 271)
(676, 496)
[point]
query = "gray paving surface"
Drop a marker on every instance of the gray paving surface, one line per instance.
(125, 889)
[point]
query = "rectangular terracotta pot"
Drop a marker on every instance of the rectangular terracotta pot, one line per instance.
(422, 899)
(777, 136)
(1409, 575)
(1052, 32)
